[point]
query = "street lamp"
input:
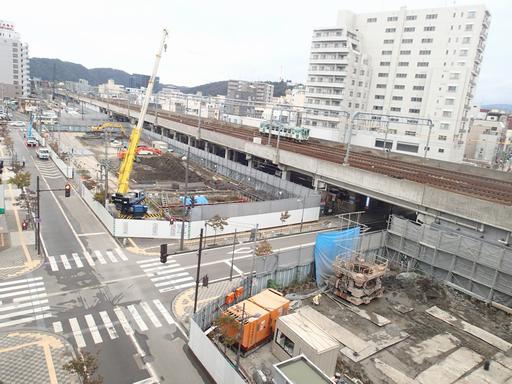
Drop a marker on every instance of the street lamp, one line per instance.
(303, 202)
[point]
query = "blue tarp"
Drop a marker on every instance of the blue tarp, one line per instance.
(198, 200)
(330, 245)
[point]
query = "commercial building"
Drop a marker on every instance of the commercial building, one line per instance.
(241, 93)
(14, 63)
(111, 90)
(137, 80)
(419, 66)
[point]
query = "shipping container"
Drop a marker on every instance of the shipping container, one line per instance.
(256, 324)
(274, 302)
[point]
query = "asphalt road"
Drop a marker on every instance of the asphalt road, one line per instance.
(104, 299)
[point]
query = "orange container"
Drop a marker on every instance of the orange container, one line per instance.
(274, 302)
(230, 297)
(239, 292)
(257, 327)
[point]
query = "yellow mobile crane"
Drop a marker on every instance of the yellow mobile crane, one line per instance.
(100, 128)
(130, 202)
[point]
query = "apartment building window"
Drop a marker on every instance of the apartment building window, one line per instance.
(418, 88)
(416, 99)
(471, 14)
(406, 41)
(393, 18)
(377, 108)
(381, 86)
(390, 30)
(389, 41)
(461, 63)
(414, 110)
(425, 52)
(387, 52)
(449, 101)
(381, 74)
(441, 137)
(431, 16)
(401, 75)
(452, 88)
(444, 126)
(410, 133)
(399, 86)
(440, 150)
(398, 98)
(395, 109)
(422, 64)
(463, 52)
(379, 97)
(454, 76)
(420, 76)
(427, 40)
(447, 113)
(466, 40)
(371, 20)
(469, 27)
(409, 29)
(405, 52)
(430, 28)
(411, 17)
(403, 64)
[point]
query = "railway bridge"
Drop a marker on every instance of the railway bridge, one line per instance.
(463, 196)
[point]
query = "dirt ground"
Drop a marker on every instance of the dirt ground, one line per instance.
(162, 168)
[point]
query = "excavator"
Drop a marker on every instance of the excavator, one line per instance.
(132, 202)
(102, 127)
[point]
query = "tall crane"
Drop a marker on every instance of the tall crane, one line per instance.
(124, 200)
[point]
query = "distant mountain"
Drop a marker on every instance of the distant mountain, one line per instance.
(504, 107)
(48, 69)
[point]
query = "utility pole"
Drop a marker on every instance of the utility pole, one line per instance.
(105, 167)
(38, 217)
(199, 120)
(198, 268)
(182, 239)
(232, 257)
(253, 258)
(240, 337)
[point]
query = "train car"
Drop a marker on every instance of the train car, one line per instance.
(299, 134)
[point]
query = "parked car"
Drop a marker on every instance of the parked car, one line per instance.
(116, 143)
(43, 153)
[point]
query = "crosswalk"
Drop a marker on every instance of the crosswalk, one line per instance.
(77, 261)
(166, 277)
(96, 328)
(23, 301)
(48, 169)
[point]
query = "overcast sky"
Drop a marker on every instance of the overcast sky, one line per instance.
(215, 40)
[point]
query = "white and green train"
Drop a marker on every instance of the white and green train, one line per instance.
(278, 129)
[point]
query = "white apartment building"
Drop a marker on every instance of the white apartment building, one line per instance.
(111, 90)
(408, 64)
(14, 63)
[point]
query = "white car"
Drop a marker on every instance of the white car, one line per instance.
(17, 123)
(115, 143)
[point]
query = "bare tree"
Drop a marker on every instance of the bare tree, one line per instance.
(85, 366)
(284, 216)
(217, 223)
(264, 248)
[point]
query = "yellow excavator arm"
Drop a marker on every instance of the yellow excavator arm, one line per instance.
(127, 164)
(100, 128)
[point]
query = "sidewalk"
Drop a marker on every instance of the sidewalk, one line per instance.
(183, 304)
(17, 252)
(34, 357)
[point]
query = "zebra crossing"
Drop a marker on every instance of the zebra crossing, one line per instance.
(23, 301)
(96, 328)
(166, 277)
(77, 261)
(48, 169)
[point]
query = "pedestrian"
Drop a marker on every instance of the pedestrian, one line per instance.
(23, 162)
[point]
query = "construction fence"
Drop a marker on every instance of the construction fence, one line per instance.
(475, 265)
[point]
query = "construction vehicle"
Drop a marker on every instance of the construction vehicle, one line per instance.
(102, 127)
(131, 202)
(30, 140)
(142, 150)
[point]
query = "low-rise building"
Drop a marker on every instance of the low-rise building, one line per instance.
(111, 90)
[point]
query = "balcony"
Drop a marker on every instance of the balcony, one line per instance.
(329, 38)
(326, 84)
(328, 61)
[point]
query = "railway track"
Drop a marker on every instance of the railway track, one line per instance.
(493, 190)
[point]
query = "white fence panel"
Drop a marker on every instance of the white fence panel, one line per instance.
(98, 209)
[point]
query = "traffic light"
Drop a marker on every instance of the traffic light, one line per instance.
(67, 190)
(163, 253)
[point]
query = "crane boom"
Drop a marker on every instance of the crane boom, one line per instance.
(127, 164)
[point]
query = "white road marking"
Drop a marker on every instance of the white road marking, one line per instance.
(91, 234)
(77, 333)
(89, 259)
(24, 312)
(169, 277)
(65, 261)
(235, 268)
(30, 297)
(169, 289)
(100, 257)
(108, 325)
(121, 254)
(241, 250)
(53, 263)
(142, 325)
(111, 257)
(145, 306)
(25, 320)
(173, 282)
(154, 263)
(165, 272)
(20, 281)
(4, 308)
(167, 316)
(147, 261)
(24, 292)
(93, 329)
(123, 321)
(162, 267)
(29, 285)
(77, 260)
(57, 327)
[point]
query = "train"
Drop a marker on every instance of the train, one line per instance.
(298, 134)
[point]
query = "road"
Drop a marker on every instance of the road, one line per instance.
(104, 299)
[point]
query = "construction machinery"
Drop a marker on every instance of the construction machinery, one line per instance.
(112, 125)
(132, 202)
(142, 150)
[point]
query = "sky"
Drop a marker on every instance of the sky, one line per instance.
(213, 40)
